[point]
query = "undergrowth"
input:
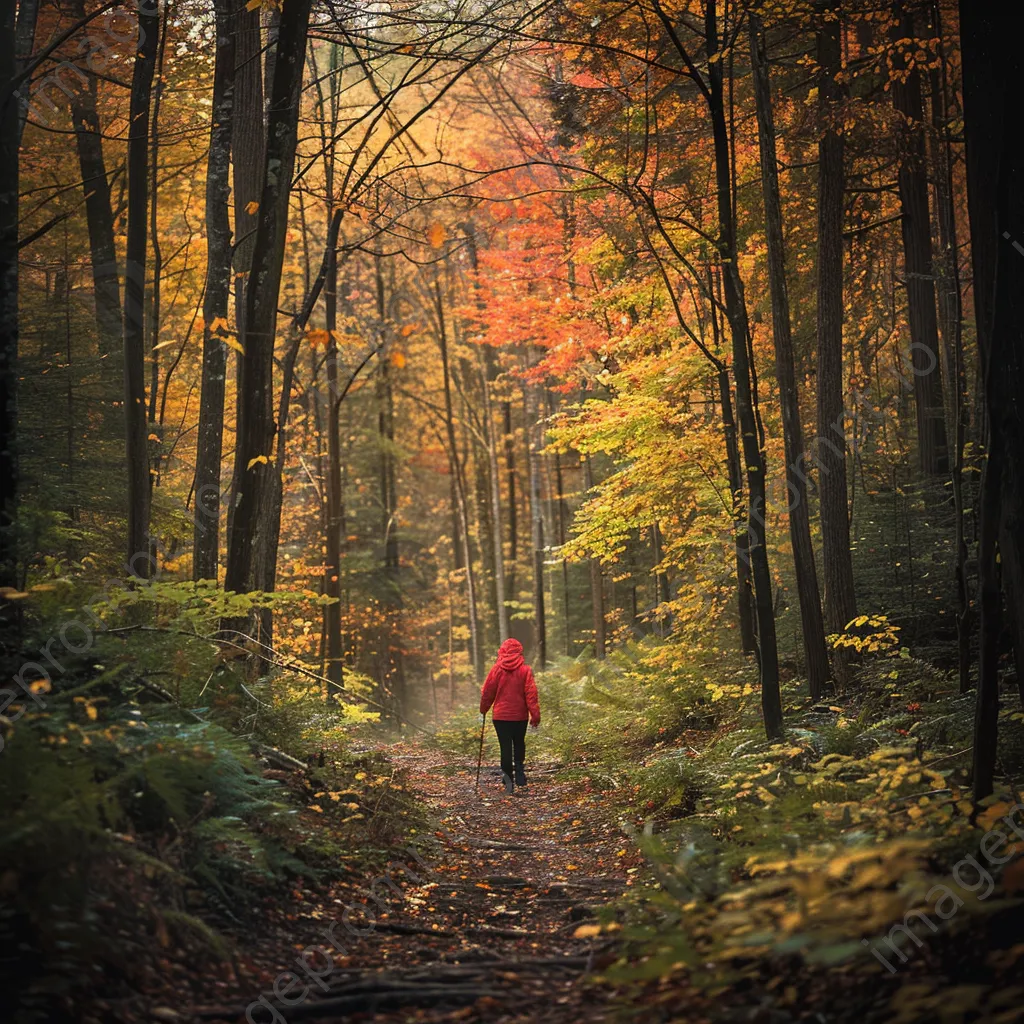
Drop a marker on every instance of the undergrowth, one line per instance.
(140, 811)
(824, 845)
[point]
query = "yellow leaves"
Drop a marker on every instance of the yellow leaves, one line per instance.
(12, 594)
(587, 931)
(988, 817)
(253, 206)
(318, 337)
(436, 234)
(258, 459)
(253, 5)
(408, 329)
(397, 358)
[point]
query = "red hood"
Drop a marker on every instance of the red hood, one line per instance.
(510, 655)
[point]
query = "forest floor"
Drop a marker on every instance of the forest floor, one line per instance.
(491, 925)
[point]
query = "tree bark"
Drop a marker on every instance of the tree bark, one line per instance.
(915, 225)
(596, 583)
(133, 329)
(459, 484)
(494, 480)
(335, 495)
(99, 216)
(16, 35)
(830, 446)
(537, 541)
(255, 428)
(812, 623)
(951, 329)
(751, 442)
(209, 445)
(992, 75)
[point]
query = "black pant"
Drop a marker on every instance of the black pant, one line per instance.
(512, 739)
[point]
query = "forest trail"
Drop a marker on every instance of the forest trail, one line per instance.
(488, 927)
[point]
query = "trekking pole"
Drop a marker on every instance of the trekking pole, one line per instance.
(480, 759)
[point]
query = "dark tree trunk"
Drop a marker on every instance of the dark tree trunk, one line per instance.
(950, 324)
(248, 142)
(992, 75)
(596, 583)
(537, 541)
(510, 477)
(815, 651)
(15, 49)
(136, 423)
(254, 469)
(459, 485)
(206, 545)
(99, 216)
(335, 495)
(830, 446)
(560, 499)
(744, 586)
(915, 224)
(751, 443)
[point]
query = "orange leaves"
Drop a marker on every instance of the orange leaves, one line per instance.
(436, 234)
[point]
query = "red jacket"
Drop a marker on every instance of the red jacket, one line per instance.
(510, 687)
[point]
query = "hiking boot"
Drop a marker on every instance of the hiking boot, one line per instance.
(520, 776)
(506, 781)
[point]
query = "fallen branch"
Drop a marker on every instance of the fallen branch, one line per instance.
(399, 928)
(418, 987)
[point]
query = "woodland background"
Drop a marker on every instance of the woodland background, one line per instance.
(679, 340)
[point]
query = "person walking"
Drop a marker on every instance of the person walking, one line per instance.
(511, 690)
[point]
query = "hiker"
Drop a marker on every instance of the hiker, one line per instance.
(511, 689)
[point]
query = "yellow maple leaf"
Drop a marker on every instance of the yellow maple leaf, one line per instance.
(258, 458)
(587, 931)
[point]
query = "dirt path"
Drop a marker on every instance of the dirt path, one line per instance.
(493, 926)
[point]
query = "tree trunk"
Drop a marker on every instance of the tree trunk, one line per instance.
(248, 144)
(99, 216)
(15, 48)
(537, 541)
(812, 623)
(335, 495)
(255, 427)
(596, 582)
(915, 225)
(459, 483)
(560, 499)
(510, 478)
(992, 75)
(494, 479)
(136, 426)
(751, 443)
(206, 545)
(950, 325)
(734, 467)
(830, 446)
